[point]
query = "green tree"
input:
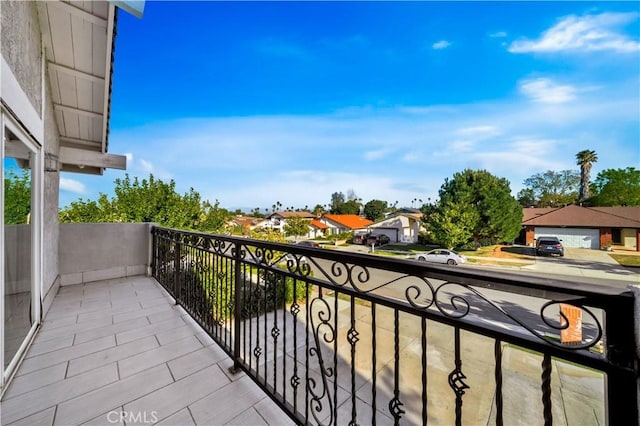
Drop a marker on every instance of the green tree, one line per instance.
(213, 217)
(17, 199)
(550, 189)
(337, 200)
(296, 226)
(452, 223)
(149, 200)
(349, 207)
(617, 187)
(474, 206)
(318, 210)
(585, 159)
(374, 210)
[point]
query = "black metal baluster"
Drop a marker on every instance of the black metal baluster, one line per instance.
(284, 342)
(264, 320)
(395, 405)
(456, 379)
(373, 364)
(546, 389)
(274, 334)
(295, 380)
(424, 372)
(352, 338)
(498, 376)
(335, 358)
(306, 377)
(250, 316)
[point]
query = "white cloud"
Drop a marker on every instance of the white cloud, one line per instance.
(482, 131)
(129, 156)
(498, 34)
(583, 33)
(376, 154)
(146, 166)
(72, 185)
(544, 90)
(442, 44)
(256, 160)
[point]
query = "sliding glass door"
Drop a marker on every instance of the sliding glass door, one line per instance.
(20, 261)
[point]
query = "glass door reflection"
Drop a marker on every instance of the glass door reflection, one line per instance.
(18, 196)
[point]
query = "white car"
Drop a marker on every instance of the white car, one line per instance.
(441, 256)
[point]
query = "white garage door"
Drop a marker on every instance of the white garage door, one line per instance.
(573, 237)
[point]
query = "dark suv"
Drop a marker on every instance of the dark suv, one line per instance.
(377, 240)
(549, 245)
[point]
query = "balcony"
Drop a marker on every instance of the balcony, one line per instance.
(237, 331)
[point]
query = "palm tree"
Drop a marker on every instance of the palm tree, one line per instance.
(584, 160)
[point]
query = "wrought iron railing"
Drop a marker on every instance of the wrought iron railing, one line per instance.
(336, 338)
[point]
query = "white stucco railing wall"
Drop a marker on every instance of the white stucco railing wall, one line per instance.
(98, 251)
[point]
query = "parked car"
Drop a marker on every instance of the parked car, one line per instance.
(307, 243)
(360, 238)
(549, 245)
(441, 256)
(377, 240)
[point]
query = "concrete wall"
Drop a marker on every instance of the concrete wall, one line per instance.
(97, 251)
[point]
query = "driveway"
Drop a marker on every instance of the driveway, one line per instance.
(584, 263)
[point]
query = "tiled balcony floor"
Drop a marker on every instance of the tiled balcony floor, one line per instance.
(121, 348)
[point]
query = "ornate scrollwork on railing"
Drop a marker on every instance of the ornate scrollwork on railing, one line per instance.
(395, 408)
(321, 309)
(456, 381)
(421, 293)
(461, 306)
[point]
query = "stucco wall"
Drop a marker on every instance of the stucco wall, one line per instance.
(51, 187)
(20, 46)
(97, 251)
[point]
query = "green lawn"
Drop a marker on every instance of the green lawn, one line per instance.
(626, 259)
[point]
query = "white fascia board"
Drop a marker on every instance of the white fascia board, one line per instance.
(82, 158)
(107, 77)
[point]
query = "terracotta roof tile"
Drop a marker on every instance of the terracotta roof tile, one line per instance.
(318, 224)
(351, 221)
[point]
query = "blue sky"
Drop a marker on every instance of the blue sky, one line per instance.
(251, 103)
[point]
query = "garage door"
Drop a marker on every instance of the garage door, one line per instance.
(573, 237)
(392, 233)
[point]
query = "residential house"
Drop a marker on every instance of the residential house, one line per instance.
(585, 227)
(400, 227)
(277, 220)
(245, 223)
(339, 223)
(317, 229)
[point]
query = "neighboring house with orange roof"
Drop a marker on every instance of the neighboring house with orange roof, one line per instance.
(339, 223)
(317, 229)
(585, 227)
(402, 227)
